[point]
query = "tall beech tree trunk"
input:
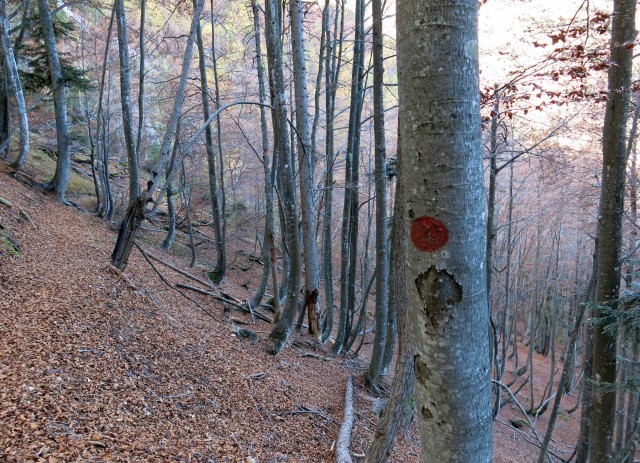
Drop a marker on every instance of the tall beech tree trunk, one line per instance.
(125, 101)
(218, 269)
(402, 387)
(443, 176)
(349, 232)
(305, 160)
(105, 199)
(14, 81)
(609, 234)
(268, 251)
(63, 163)
(141, 77)
(382, 247)
(281, 331)
(332, 69)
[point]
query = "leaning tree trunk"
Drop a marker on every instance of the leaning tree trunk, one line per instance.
(63, 163)
(14, 81)
(442, 172)
(609, 234)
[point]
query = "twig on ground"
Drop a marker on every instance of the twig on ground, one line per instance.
(315, 356)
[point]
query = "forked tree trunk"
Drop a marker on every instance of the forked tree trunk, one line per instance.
(349, 232)
(443, 176)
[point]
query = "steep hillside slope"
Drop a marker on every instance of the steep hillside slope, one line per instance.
(96, 366)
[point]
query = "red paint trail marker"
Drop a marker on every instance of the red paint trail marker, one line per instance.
(428, 233)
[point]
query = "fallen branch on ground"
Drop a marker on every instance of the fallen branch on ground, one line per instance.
(180, 271)
(343, 444)
(168, 283)
(225, 298)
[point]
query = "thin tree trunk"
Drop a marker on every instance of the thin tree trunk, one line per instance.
(332, 71)
(221, 263)
(125, 101)
(267, 252)
(218, 270)
(105, 203)
(402, 387)
(141, 76)
(349, 235)
(382, 254)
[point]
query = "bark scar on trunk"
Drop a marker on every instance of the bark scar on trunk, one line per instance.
(438, 290)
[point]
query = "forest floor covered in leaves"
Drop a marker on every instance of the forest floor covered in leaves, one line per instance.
(97, 366)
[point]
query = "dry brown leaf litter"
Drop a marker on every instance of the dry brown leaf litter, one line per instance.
(93, 368)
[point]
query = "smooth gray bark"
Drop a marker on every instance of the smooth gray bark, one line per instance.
(442, 170)
(106, 206)
(349, 232)
(14, 81)
(142, 72)
(332, 69)
(125, 101)
(63, 163)
(218, 269)
(221, 263)
(382, 247)
(305, 160)
(290, 215)
(268, 242)
(402, 388)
